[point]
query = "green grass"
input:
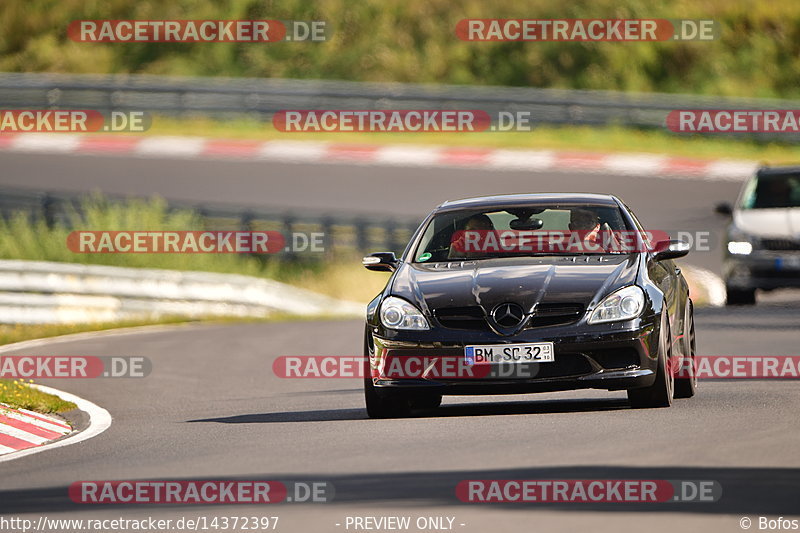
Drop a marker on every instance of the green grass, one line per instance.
(337, 275)
(11, 333)
(757, 52)
(568, 138)
(18, 394)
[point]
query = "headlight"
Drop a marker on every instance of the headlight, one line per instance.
(397, 313)
(739, 242)
(622, 304)
(740, 247)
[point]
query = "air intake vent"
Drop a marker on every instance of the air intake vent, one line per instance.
(555, 314)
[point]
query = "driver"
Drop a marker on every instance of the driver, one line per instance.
(479, 222)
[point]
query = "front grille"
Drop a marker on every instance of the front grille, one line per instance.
(780, 244)
(774, 274)
(555, 314)
(471, 317)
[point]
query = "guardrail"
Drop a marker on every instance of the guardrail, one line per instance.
(342, 233)
(40, 292)
(226, 97)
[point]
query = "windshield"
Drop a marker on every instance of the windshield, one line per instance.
(775, 191)
(521, 231)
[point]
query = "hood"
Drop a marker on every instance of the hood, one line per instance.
(526, 281)
(778, 222)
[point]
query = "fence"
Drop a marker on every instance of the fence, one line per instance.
(226, 97)
(40, 292)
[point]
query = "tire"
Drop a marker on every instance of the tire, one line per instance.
(687, 387)
(740, 296)
(660, 393)
(387, 404)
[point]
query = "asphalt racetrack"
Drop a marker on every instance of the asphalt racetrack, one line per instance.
(213, 409)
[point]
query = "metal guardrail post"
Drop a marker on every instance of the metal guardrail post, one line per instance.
(362, 239)
(48, 210)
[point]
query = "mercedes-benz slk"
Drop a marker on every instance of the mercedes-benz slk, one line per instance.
(518, 319)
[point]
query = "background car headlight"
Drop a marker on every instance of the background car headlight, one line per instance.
(622, 304)
(740, 247)
(397, 313)
(739, 242)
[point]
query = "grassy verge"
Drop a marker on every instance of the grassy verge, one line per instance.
(339, 276)
(18, 393)
(11, 333)
(577, 138)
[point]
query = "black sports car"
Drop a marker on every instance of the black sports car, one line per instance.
(504, 318)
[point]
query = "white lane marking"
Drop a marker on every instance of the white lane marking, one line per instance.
(410, 155)
(731, 170)
(643, 165)
(170, 146)
(634, 163)
(87, 335)
(521, 159)
(99, 421)
(45, 142)
(6, 449)
(293, 150)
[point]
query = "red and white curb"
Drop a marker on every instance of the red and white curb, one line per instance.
(401, 155)
(99, 421)
(21, 429)
(99, 418)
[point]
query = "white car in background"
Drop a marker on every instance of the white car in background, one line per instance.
(762, 249)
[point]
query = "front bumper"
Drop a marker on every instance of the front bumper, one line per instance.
(608, 356)
(762, 270)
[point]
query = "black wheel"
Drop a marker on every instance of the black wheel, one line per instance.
(740, 296)
(685, 387)
(386, 404)
(660, 393)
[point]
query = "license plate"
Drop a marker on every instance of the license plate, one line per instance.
(791, 262)
(489, 354)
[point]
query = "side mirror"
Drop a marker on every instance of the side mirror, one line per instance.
(723, 208)
(381, 262)
(674, 250)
